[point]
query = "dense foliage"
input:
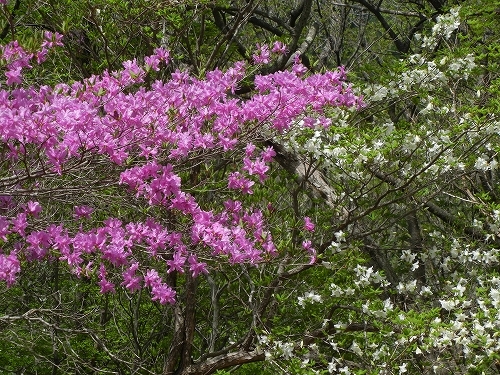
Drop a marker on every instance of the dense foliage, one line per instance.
(221, 202)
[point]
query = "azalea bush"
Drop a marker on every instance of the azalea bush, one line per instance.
(144, 136)
(174, 160)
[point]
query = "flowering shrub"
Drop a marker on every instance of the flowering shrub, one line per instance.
(144, 136)
(411, 287)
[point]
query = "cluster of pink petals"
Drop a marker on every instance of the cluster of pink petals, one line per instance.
(263, 55)
(307, 245)
(172, 120)
(67, 121)
(17, 58)
(82, 212)
(112, 243)
(159, 290)
(9, 267)
(308, 224)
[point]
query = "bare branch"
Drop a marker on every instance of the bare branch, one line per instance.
(381, 10)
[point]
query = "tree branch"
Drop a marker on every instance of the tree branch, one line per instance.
(209, 366)
(381, 10)
(402, 47)
(304, 173)
(313, 30)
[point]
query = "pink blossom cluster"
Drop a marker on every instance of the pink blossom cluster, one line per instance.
(263, 55)
(112, 245)
(236, 233)
(258, 166)
(9, 268)
(157, 127)
(16, 58)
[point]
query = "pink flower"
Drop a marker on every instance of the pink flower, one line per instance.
(52, 39)
(19, 223)
(279, 48)
(6, 202)
(82, 212)
(38, 245)
(262, 56)
(162, 54)
(249, 149)
(197, 267)
(227, 143)
(307, 245)
(14, 76)
(130, 281)
(269, 247)
(105, 285)
(238, 182)
(115, 253)
(33, 208)
(233, 206)
(9, 268)
(152, 62)
(267, 155)
(308, 224)
(163, 293)
(299, 69)
(41, 55)
(4, 228)
(184, 202)
(257, 167)
(177, 263)
(152, 278)
(132, 72)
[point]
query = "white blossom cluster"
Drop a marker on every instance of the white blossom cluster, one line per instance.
(444, 27)
(449, 319)
(309, 297)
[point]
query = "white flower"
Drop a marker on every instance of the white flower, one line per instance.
(495, 296)
(389, 127)
(379, 94)
(402, 368)
(287, 350)
(459, 290)
(340, 236)
(313, 297)
(336, 290)
(426, 291)
(408, 256)
(355, 348)
(366, 307)
(332, 367)
(263, 340)
(310, 297)
(349, 291)
(482, 164)
(388, 304)
(448, 305)
(408, 287)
